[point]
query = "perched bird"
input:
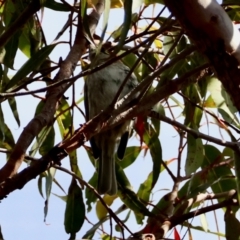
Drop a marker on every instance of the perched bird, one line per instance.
(99, 91)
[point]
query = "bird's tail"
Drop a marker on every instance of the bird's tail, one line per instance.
(107, 182)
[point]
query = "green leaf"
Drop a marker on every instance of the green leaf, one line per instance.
(1, 235)
(57, 6)
(130, 156)
(85, 23)
(74, 163)
(197, 59)
(90, 155)
(45, 140)
(32, 64)
(64, 121)
(6, 137)
(117, 33)
(64, 118)
(105, 19)
(2, 125)
(234, 13)
(197, 184)
(222, 176)
(204, 223)
(155, 122)
(122, 178)
(108, 237)
(31, 38)
(145, 188)
(237, 172)
(148, 2)
(24, 42)
(172, 26)
(152, 141)
(231, 2)
(129, 61)
(137, 4)
(129, 197)
(64, 198)
(75, 209)
(90, 195)
(165, 205)
(40, 139)
(8, 13)
(209, 103)
(2, 76)
(11, 12)
(11, 49)
(118, 228)
(222, 101)
(90, 233)
(48, 142)
(58, 184)
(13, 106)
(170, 73)
(150, 62)
(228, 152)
(50, 173)
(127, 24)
(169, 41)
(193, 114)
(175, 100)
(228, 117)
(232, 225)
(195, 154)
(39, 107)
(156, 153)
(40, 178)
(133, 202)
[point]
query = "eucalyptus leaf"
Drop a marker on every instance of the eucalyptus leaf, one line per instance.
(32, 64)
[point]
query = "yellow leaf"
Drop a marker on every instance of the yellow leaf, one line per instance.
(114, 3)
(100, 209)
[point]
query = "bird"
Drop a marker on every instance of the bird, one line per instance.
(100, 89)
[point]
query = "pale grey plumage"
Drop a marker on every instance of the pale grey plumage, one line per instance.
(100, 90)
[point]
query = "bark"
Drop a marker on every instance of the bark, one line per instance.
(209, 27)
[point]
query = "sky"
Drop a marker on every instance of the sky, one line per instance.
(21, 213)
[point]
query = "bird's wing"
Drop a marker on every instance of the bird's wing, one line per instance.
(122, 145)
(95, 149)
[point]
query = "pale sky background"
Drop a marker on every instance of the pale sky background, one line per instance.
(21, 214)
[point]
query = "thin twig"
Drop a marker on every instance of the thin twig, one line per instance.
(175, 220)
(195, 133)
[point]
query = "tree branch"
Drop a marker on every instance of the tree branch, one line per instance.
(88, 130)
(215, 36)
(52, 97)
(175, 220)
(194, 133)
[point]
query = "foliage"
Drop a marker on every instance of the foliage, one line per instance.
(178, 88)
